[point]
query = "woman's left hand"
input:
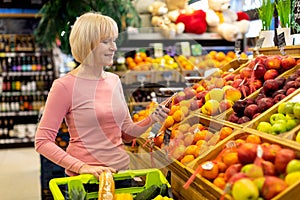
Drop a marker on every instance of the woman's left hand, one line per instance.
(160, 114)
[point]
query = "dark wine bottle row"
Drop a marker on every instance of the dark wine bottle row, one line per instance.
(21, 103)
(26, 83)
(11, 132)
(26, 63)
(12, 42)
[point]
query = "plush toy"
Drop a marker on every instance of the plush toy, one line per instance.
(222, 20)
(162, 22)
(193, 20)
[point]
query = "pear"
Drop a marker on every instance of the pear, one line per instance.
(292, 177)
(245, 189)
(292, 166)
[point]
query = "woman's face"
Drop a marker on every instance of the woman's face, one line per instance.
(104, 52)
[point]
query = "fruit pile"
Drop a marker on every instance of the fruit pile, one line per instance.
(140, 61)
(220, 59)
(272, 91)
(286, 118)
(164, 63)
(142, 114)
(194, 63)
(251, 167)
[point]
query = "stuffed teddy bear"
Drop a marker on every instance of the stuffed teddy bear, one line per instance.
(220, 19)
(162, 22)
(193, 20)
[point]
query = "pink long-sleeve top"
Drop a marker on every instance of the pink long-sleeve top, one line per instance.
(98, 120)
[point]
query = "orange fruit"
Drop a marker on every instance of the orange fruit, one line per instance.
(253, 139)
(159, 140)
(169, 121)
(173, 109)
(137, 59)
(220, 182)
(135, 117)
(239, 141)
(178, 115)
(231, 54)
(192, 150)
(222, 166)
(220, 56)
(230, 158)
(131, 65)
(187, 158)
(209, 170)
(212, 54)
(129, 59)
(143, 55)
(224, 132)
(200, 143)
(200, 135)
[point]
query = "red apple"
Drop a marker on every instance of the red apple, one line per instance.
(179, 97)
(268, 168)
(290, 91)
(273, 62)
(270, 151)
(194, 104)
(233, 117)
(271, 74)
(272, 186)
(189, 92)
(225, 104)
(287, 62)
(201, 95)
(231, 170)
(245, 72)
(236, 83)
(247, 153)
(251, 110)
(259, 71)
(282, 158)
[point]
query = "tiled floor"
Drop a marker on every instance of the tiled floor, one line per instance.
(20, 174)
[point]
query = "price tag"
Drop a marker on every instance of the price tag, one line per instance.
(196, 49)
(237, 47)
(167, 137)
(259, 151)
(230, 144)
(183, 48)
(259, 43)
(208, 165)
(158, 49)
(281, 42)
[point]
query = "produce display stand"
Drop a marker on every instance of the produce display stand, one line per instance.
(289, 193)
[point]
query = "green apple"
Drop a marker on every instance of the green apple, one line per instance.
(245, 189)
(252, 170)
(296, 110)
(264, 127)
(281, 108)
(290, 116)
(292, 178)
(291, 123)
(278, 127)
(289, 107)
(297, 137)
(259, 182)
(275, 118)
(293, 166)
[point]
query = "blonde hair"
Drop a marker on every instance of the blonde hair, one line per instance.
(88, 30)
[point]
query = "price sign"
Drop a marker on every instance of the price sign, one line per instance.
(295, 16)
(281, 40)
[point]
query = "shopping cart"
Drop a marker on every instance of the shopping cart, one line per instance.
(86, 186)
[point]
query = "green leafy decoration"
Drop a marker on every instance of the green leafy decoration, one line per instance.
(284, 12)
(59, 15)
(265, 13)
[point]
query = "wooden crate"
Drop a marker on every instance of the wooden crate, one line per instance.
(235, 64)
(293, 50)
(224, 116)
(217, 193)
(265, 117)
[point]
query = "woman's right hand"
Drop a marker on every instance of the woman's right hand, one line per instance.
(95, 170)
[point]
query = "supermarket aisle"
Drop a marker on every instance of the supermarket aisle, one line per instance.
(19, 174)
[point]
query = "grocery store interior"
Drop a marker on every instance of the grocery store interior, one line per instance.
(231, 69)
